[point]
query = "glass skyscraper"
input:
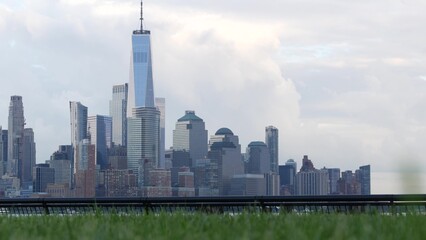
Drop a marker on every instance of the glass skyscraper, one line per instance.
(15, 136)
(141, 86)
(118, 112)
(160, 103)
(143, 118)
(78, 117)
(190, 134)
(100, 134)
(271, 140)
(28, 157)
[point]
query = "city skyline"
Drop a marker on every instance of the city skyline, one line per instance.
(337, 125)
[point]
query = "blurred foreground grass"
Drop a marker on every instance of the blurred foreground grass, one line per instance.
(205, 226)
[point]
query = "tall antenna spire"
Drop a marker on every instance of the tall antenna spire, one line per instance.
(141, 16)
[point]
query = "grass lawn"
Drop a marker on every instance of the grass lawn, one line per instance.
(205, 226)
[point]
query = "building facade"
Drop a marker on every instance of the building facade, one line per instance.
(160, 103)
(225, 151)
(100, 134)
(28, 157)
(271, 140)
(78, 120)
(118, 112)
(190, 135)
(3, 151)
(15, 136)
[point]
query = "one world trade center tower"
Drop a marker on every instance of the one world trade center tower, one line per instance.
(143, 129)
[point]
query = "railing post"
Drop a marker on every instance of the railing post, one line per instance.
(45, 207)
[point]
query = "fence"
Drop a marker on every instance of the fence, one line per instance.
(384, 204)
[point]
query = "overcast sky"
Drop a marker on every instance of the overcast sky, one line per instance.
(344, 81)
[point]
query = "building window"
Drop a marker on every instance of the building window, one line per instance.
(140, 57)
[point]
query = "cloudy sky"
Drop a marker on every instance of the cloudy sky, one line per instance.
(344, 81)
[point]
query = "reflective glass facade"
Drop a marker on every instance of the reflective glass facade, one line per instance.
(143, 137)
(141, 88)
(100, 133)
(118, 112)
(271, 140)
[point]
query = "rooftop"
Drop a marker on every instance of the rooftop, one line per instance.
(224, 131)
(190, 116)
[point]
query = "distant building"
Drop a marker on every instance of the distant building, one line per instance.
(3, 151)
(28, 158)
(43, 175)
(310, 181)
(78, 117)
(190, 135)
(364, 178)
(143, 138)
(179, 159)
(248, 185)
(348, 184)
(287, 174)
(159, 184)
(120, 183)
(259, 162)
(334, 176)
(258, 158)
(85, 176)
(99, 129)
(271, 140)
(117, 158)
(160, 103)
(206, 178)
(58, 190)
(15, 136)
(225, 151)
(118, 113)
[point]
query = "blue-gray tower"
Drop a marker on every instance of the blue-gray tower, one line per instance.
(143, 118)
(141, 86)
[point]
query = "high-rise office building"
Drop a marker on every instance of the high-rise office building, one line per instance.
(143, 138)
(78, 117)
(191, 135)
(118, 112)
(28, 157)
(85, 171)
(257, 161)
(160, 103)
(271, 140)
(225, 151)
(141, 86)
(3, 151)
(15, 136)
(310, 183)
(100, 134)
(143, 123)
(364, 178)
(61, 161)
(334, 176)
(287, 174)
(42, 176)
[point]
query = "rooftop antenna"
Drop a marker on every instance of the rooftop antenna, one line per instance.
(141, 16)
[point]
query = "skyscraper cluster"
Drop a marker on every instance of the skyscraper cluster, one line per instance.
(17, 150)
(123, 154)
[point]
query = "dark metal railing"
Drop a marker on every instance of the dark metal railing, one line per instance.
(392, 204)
